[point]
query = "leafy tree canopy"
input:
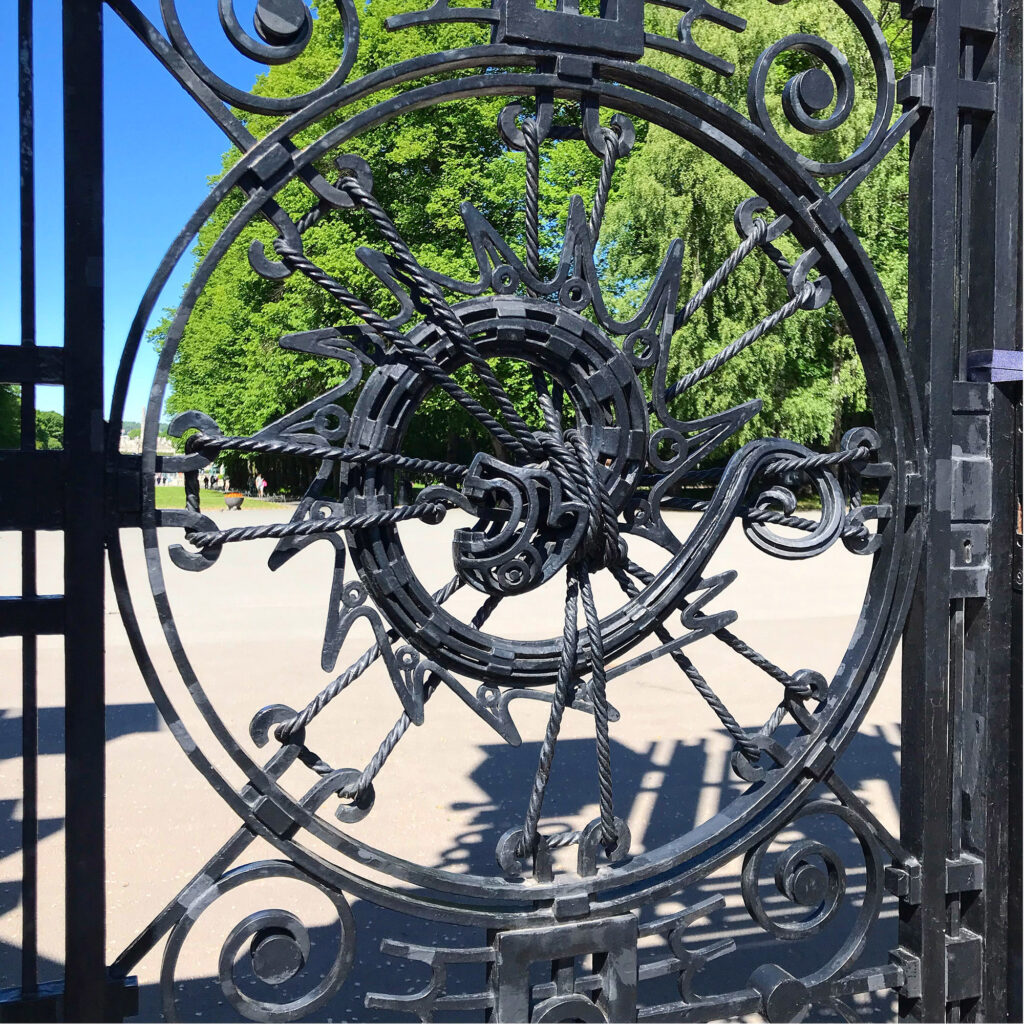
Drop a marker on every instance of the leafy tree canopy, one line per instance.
(428, 161)
(49, 425)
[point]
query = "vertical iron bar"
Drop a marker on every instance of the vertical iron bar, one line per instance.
(925, 779)
(992, 675)
(961, 663)
(85, 950)
(29, 699)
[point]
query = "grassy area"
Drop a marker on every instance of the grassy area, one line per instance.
(209, 501)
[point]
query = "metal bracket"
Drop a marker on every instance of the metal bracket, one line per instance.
(919, 86)
(965, 874)
(963, 966)
(904, 880)
(995, 365)
(970, 483)
(911, 967)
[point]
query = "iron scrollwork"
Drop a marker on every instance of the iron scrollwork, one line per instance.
(557, 505)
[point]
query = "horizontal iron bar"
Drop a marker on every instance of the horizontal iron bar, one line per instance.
(31, 616)
(31, 364)
(31, 490)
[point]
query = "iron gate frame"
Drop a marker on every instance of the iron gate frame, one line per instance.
(959, 936)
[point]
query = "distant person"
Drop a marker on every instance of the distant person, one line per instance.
(261, 484)
(206, 483)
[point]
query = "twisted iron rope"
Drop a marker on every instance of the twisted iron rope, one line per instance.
(599, 692)
(764, 516)
(604, 183)
(417, 357)
(559, 839)
(204, 443)
(788, 463)
(286, 730)
(764, 664)
(531, 140)
(575, 465)
(401, 726)
(531, 137)
(745, 340)
(821, 460)
(799, 690)
(430, 510)
(445, 315)
(774, 721)
(731, 262)
(602, 539)
(701, 685)
(564, 686)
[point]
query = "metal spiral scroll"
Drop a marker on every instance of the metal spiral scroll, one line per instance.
(278, 947)
(283, 29)
(811, 875)
(814, 90)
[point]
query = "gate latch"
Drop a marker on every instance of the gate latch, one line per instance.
(970, 472)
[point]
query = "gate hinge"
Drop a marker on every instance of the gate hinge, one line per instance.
(904, 880)
(963, 966)
(970, 489)
(911, 968)
(965, 874)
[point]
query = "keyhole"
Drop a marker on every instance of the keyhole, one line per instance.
(967, 552)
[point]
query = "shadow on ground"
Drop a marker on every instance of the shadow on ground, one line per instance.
(869, 760)
(670, 791)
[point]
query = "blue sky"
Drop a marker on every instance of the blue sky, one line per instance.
(159, 148)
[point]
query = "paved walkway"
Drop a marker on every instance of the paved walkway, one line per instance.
(452, 787)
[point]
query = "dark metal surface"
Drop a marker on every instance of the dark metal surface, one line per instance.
(565, 503)
(959, 934)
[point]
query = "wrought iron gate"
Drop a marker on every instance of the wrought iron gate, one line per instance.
(930, 496)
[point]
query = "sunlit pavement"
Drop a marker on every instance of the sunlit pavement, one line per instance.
(451, 788)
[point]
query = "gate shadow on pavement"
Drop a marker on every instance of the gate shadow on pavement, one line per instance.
(121, 720)
(672, 789)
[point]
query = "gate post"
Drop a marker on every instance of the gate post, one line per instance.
(85, 994)
(960, 920)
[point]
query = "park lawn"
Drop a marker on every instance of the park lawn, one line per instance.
(209, 501)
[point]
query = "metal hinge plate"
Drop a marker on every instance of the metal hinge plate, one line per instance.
(963, 966)
(970, 489)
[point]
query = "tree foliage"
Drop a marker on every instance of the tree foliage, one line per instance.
(49, 424)
(428, 161)
(10, 416)
(49, 430)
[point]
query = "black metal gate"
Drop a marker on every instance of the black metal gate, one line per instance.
(930, 495)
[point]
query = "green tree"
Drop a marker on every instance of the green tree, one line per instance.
(229, 363)
(806, 370)
(49, 430)
(10, 416)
